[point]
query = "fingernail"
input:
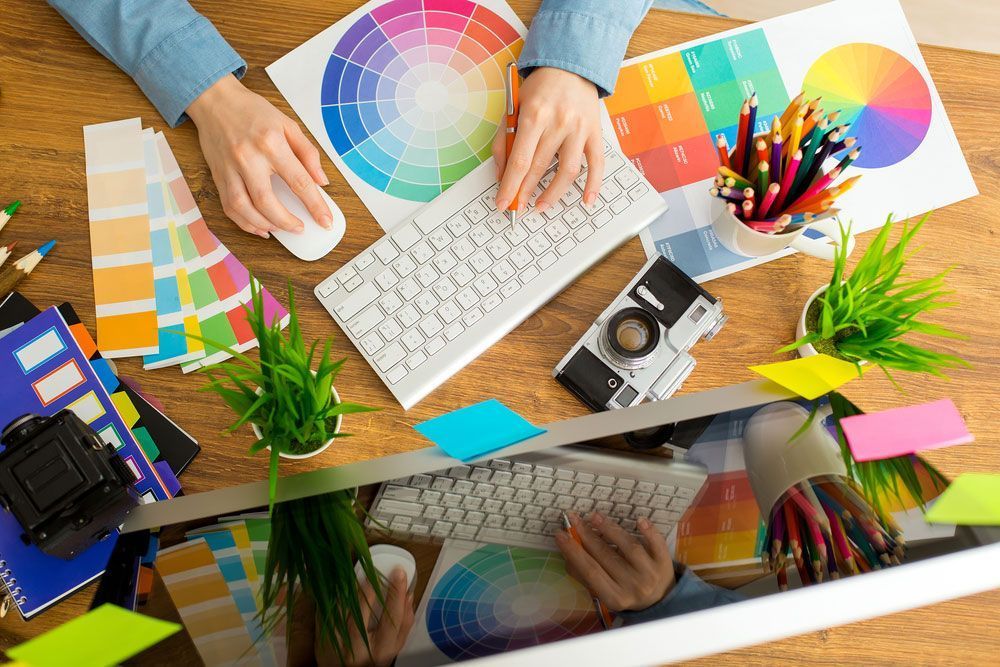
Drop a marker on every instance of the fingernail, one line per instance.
(399, 576)
(590, 199)
(596, 518)
(326, 179)
(263, 235)
(300, 229)
(326, 220)
(562, 537)
(541, 206)
(502, 203)
(644, 523)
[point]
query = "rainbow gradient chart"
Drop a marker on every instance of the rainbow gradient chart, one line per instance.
(497, 598)
(405, 95)
(880, 94)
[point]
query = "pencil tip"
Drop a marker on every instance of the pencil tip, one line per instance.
(12, 207)
(10, 246)
(44, 250)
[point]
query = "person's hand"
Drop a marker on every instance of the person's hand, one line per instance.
(245, 140)
(632, 576)
(559, 115)
(386, 639)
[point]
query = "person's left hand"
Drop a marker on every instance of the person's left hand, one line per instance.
(632, 577)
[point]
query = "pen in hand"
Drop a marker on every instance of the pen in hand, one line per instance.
(602, 611)
(513, 105)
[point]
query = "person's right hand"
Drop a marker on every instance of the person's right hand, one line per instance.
(386, 639)
(245, 140)
(631, 577)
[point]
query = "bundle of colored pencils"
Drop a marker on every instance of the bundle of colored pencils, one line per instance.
(826, 528)
(774, 182)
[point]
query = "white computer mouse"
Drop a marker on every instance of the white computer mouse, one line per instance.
(386, 558)
(314, 242)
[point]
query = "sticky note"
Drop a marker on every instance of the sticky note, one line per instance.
(811, 377)
(477, 429)
(107, 635)
(901, 431)
(973, 499)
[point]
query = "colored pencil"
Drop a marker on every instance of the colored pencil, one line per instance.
(747, 209)
(841, 146)
(820, 183)
(793, 106)
(729, 173)
(763, 177)
(787, 178)
(821, 156)
(794, 138)
(723, 148)
(9, 211)
(775, 160)
(741, 135)
(751, 128)
(848, 159)
(10, 277)
(5, 251)
(768, 200)
(762, 154)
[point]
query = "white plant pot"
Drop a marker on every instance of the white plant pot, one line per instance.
(807, 350)
(318, 450)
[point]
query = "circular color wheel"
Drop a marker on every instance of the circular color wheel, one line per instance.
(413, 90)
(501, 598)
(879, 93)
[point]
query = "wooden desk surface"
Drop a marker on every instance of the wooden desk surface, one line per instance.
(53, 84)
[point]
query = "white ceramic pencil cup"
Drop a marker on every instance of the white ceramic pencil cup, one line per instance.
(740, 239)
(775, 462)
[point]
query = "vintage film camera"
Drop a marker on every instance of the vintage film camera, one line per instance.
(637, 349)
(67, 487)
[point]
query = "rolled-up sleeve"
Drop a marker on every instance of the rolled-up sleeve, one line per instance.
(586, 37)
(171, 51)
(688, 594)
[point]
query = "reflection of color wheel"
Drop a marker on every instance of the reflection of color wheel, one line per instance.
(413, 90)
(880, 93)
(502, 598)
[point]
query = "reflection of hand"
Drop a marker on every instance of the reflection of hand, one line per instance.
(631, 577)
(559, 114)
(387, 638)
(245, 140)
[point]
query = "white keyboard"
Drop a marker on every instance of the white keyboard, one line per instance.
(521, 501)
(441, 288)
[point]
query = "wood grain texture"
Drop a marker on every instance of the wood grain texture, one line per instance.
(53, 84)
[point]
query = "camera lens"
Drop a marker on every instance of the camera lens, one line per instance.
(630, 338)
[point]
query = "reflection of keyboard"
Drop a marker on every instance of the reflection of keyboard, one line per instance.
(442, 287)
(521, 501)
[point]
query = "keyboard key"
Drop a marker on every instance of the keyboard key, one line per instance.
(498, 222)
(510, 508)
(563, 486)
(442, 529)
(574, 217)
(565, 246)
(524, 496)
(387, 279)
(641, 512)
(571, 197)
(420, 481)
(415, 360)
(583, 505)
(585, 477)
(458, 225)
(329, 287)
(353, 283)
(678, 503)
(364, 261)
(480, 235)
(504, 493)
(426, 302)
(347, 274)
(601, 493)
(462, 248)
(542, 483)
(500, 464)
(391, 303)
(638, 191)
(462, 275)
(434, 345)
(564, 502)
(539, 244)
(529, 274)
(516, 236)
(454, 331)
(433, 511)
(454, 514)
(521, 258)
(620, 204)
(581, 489)
(408, 289)
(399, 507)
(521, 481)
(612, 163)
(422, 252)
(498, 248)
(502, 271)
(372, 344)
(604, 506)
(485, 284)
(404, 266)
(532, 511)
(556, 231)
(645, 487)
(621, 511)
(445, 262)
(431, 326)
(610, 191)
(480, 262)
(683, 492)
(386, 251)
(620, 495)
(365, 322)
(390, 329)
(472, 317)
(492, 505)
(552, 527)
(514, 523)
(659, 502)
(412, 339)
(555, 210)
(501, 477)
(606, 480)
(584, 232)
(563, 473)
(640, 498)
(509, 289)
(444, 289)
(627, 178)
(408, 316)
(661, 516)
(467, 298)
(480, 474)
(533, 222)
(449, 312)
(451, 500)
(534, 526)
(546, 260)
(406, 236)
(545, 499)
(440, 238)
(493, 521)
(356, 302)
(420, 530)
(474, 517)
(464, 531)
(602, 218)
(459, 471)
(427, 275)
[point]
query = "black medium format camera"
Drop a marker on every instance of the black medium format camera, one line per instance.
(67, 487)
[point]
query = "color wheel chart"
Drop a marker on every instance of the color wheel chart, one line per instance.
(880, 94)
(496, 598)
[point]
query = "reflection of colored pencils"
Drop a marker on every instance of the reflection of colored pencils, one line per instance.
(768, 200)
(741, 135)
(751, 128)
(602, 610)
(5, 251)
(723, 148)
(10, 277)
(8, 212)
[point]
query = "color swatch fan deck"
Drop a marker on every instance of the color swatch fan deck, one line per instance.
(404, 95)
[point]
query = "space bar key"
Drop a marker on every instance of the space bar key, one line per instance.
(357, 301)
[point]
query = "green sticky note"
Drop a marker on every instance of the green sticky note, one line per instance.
(811, 377)
(973, 499)
(104, 636)
(145, 441)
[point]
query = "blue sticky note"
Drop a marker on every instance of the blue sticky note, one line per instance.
(478, 429)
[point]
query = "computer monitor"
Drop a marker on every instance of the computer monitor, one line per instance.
(490, 584)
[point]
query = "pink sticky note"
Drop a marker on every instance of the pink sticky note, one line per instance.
(901, 431)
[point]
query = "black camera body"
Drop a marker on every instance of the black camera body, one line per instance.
(67, 487)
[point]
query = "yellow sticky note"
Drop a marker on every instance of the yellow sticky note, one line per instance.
(126, 409)
(973, 499)
(811, 377)
(108, 635)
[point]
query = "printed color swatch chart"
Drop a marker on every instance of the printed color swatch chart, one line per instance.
(494, 598)
(669, 106)
(404, 95)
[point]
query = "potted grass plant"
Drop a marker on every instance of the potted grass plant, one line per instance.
(865, 316)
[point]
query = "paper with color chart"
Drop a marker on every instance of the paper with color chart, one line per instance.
(124, 292)
(859, 55)
(972, 499)
(206, 607)
(404, 96)
(484, 599)
(907, 430)
(811, 377)
(108, 635)
(478, 429)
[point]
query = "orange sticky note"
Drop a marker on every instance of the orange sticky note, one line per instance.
(811, 377)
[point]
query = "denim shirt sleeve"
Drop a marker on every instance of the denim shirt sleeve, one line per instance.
(586, 37)
(173, 52)
(690, 593)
